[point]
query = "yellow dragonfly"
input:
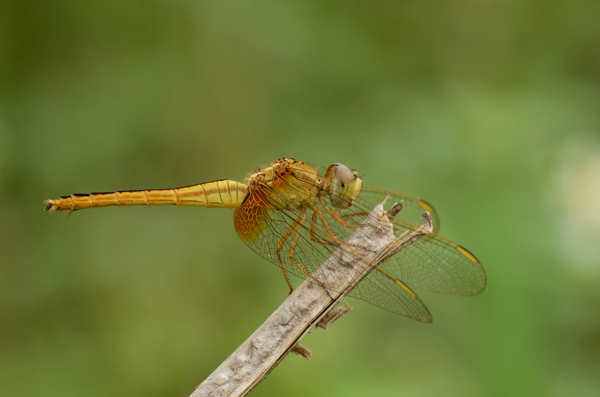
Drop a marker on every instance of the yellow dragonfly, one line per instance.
(297, 214)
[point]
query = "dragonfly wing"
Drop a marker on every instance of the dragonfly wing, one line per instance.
(379, 287)
(438, 265)
(376, 288)
(382, 291)
(276, 233)
(433, 263)
(413, 207)
(300, 237)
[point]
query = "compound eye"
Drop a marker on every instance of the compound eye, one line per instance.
(346, 186)
(344, 174)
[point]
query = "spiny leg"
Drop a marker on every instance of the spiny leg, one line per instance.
(299, 225)
(328, 229)
(330, 233)
(312, 231)
(336, 215)
(286, 235)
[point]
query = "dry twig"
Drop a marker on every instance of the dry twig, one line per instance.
(308, 306)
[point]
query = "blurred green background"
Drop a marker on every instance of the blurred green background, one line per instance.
(489, 110)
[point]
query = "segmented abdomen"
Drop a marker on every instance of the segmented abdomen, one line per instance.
(224, 194)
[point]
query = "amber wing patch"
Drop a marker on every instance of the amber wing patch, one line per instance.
(250, 220)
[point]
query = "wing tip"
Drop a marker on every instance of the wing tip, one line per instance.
(465, 252)
(469, 255)
(426, 205)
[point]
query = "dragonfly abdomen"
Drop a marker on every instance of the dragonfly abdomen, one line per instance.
(223, 194)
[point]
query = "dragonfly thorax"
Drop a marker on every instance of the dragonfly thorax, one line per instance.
(286, 184)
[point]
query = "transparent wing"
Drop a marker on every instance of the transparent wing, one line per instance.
(382, 291)
(310, 254)
(287, 238)
(434, 263)
(413, 207)
(304, 240)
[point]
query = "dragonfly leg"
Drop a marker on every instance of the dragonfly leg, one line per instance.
(286, 235)
(299, 225)
(330, 234)
(336, 215)
(312, 231)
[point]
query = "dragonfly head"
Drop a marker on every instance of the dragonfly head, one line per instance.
(345, 185)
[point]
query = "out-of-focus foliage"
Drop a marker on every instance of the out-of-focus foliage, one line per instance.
(489, 110)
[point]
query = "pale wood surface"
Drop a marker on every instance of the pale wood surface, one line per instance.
(305, 307)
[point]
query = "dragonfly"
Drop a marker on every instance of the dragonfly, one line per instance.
(296, 214)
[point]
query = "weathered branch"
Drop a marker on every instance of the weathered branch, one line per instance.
(309, 305)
